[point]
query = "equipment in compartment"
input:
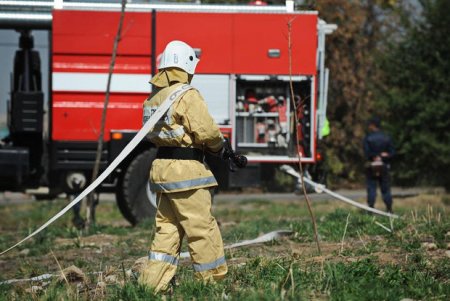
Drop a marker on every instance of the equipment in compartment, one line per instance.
(258, 108)
(265, 123)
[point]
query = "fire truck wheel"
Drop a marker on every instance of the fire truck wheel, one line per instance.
(132, 198)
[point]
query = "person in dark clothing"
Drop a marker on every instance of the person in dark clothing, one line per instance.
(379, 150)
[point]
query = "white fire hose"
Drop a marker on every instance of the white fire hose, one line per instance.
(321, 188)
(148, 126)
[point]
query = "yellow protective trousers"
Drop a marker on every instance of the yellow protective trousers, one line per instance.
(179, 213)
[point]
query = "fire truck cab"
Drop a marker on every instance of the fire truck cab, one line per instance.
(250, 58)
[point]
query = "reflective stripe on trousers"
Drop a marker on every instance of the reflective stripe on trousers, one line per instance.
(209, 266)
(163, 257)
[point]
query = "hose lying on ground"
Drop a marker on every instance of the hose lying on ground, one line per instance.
(321, 188)
(274, 235)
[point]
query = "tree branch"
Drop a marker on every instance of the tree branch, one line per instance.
(90, 213)
(291, 86)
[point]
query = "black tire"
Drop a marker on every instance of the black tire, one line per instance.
(131, 195)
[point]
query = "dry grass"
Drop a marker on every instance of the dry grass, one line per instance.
(290, 268)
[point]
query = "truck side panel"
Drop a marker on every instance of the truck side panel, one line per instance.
(77, 115)
(82, 47)
(256, 34)
(93, 32)
(212, 33)
(240, 43)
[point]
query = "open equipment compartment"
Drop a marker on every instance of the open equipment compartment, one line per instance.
(264, 112)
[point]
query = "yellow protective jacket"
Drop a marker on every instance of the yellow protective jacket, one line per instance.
(187, 123)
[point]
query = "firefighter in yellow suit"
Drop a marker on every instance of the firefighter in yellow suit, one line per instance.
(179, 177)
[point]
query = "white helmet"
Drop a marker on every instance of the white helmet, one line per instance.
(179, 54)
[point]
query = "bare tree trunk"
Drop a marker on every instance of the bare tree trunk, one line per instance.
(91, 201)
(308, 202)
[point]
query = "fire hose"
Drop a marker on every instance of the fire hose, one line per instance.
(321, 188)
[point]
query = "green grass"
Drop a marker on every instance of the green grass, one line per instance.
(262, 279)
(368, 263)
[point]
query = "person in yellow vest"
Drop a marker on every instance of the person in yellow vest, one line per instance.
(179, 176)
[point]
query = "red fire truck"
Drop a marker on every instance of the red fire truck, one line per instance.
(243, 75)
